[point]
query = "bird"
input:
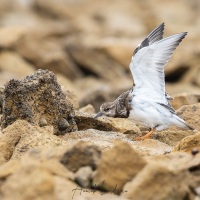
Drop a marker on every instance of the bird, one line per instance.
(147, 102)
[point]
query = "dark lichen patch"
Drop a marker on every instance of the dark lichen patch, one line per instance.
(35, 97)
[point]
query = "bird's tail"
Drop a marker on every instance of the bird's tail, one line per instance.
(182, 124)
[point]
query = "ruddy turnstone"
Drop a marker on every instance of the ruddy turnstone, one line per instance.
(147, 103)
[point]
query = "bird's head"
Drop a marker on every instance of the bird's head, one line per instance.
(107, 109)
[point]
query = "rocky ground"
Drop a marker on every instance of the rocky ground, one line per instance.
(59, 61)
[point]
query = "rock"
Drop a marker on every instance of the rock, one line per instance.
(191, 114)
(87, 121)
(72, 96)
(178, 88)
(21, 136)
(116, 167)
(21, 68)
(46, 54)
(90, 194)
(97, 93)
(188, 143)
(88, 109)
(172, 135)
(40, 176)
(146, 185)
(64, 189)
(10, 35)
(8, 140)
(107, 139)
(185, 99)
(120, 52)
(84, 176)
(35, 97)
(65, 83)
(95, 62)
(9, 168)
(82, 154)
(152, 147)
(40, 185)
(2, 88)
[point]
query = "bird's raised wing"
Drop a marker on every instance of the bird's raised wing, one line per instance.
(154, 36)
(147, 68)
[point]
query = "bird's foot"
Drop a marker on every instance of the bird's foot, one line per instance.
(147, 135)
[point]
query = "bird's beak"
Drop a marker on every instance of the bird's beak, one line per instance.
(99, 115)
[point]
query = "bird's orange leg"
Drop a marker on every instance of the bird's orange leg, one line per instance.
(147, 135)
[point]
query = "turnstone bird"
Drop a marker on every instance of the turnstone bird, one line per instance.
(147, 102)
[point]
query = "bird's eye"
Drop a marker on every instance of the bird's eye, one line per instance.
(107, 109)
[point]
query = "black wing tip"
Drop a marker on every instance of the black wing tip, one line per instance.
(182, 36)
(162, 25)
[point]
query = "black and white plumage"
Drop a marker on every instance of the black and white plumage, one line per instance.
(148, 101)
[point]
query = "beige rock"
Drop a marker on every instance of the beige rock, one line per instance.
(107, 139)
(188, 143)
(122, 53)
(116, 167)
(194, 73)
(41, 175)
(66, 83)
(46, 54)
(9, 168)
(10, 35)
(94, 194)
(35, 137)
(8, 140)
(96, 62)
(98, 92)
(152, 147)
(178, 88)
(88, 109)
(22, 136)
(84, 176)
(184, 99)
(72, 96)
(80, 155)
(13, 64)
(172, 135)
(191, 114)
(87, 121)
(64, 189)
(39, 181)
(147, 184)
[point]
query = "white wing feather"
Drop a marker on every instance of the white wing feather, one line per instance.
(147, 68)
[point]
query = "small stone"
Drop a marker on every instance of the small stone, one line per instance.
(63, 124)
(83, 176)
(43, 122)
(81, 155)
(195, 151)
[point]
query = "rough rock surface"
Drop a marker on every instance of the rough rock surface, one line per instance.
(175, 183)
(191, 114)
(88, 109)
(87, 121)
(49, 55)
(35, 97)
(107, 139)
(21, 136)
(189, 143)
(116, 167)
(185, 99)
